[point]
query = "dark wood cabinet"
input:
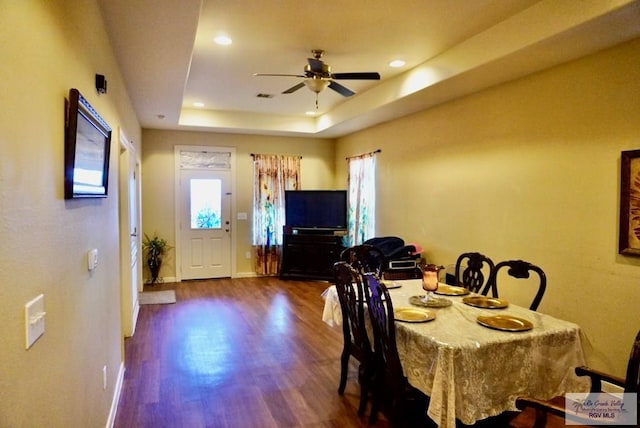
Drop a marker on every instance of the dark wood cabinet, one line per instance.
(310, 253)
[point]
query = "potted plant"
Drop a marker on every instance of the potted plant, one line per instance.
(155, 248)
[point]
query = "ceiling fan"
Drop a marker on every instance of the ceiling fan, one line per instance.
(317, 76)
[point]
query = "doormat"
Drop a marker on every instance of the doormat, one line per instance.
(157, 297)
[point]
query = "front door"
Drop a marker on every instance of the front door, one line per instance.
(205, 224)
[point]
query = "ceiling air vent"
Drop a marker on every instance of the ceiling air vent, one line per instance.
(261, 95)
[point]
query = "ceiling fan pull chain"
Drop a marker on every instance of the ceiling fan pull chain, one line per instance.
(316, 101)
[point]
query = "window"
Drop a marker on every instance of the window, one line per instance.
(206, 203)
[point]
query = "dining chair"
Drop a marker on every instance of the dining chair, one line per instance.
(406, 404)
(356, 340)
(551, 413)
(473, 271)
(364, 258)
(518, 269)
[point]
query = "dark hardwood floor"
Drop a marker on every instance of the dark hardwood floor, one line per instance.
(249, 352)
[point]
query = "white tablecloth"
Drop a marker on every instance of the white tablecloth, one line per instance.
(471, 372)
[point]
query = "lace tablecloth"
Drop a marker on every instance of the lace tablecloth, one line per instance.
(471, 372)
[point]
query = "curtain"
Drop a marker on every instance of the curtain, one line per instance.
(273, 174)
(362, 198)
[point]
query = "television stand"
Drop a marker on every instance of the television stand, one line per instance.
(309, 253)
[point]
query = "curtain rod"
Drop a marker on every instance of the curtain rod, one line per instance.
(364, 154)
(253, 155)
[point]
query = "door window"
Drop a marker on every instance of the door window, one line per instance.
(206, 203)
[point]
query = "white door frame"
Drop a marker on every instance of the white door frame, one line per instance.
(178, 197)
(128, 158)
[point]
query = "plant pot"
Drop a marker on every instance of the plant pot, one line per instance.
(154, 263)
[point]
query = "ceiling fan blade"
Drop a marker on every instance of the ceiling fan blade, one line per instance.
(285, 75)
(356, 76)
(315, 65)
(346, 92)
(294, 88)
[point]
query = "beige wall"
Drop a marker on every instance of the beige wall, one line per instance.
(317, 172)
(526, 170)
(529, 170)
(46, 48)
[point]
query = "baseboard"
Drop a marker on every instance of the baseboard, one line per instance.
(245, 275)
(611, 388)
(134, 321)
(116, 397)
(237, 275)
(162, 280)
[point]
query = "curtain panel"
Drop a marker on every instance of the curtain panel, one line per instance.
(273, 174)
(362, 198)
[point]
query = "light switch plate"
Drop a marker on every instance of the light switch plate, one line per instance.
(92, 259)
(34, 320)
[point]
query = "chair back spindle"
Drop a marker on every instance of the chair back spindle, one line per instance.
(473, 271)
(364, 258)
(519, 269)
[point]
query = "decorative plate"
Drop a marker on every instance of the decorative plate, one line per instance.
(451, 290)
(413, 315)
(485, 302)
(505, 323)
(433, 302)
(391, 284)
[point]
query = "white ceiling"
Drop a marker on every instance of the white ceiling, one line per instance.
(168, 59)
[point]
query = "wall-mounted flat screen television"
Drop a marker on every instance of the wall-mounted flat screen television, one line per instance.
(86, 150)
(316, 208)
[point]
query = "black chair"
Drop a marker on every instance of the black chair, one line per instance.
(356, 340)
(364, 258)
(406, 404)
(473, 271)
(521, 270)
(551, 413)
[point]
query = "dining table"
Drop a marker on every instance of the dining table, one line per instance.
(470, 366)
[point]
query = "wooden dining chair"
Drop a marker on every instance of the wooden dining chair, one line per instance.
(473, 271)
(551, 413)
(356, 341)
(406, 404)
(364, 258)
(518, 269)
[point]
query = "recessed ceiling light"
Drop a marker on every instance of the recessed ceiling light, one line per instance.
(311, 113)
(223, 40)
(396, 63)
(198, 104)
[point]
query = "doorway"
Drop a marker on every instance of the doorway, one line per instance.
(203, 212)
(130, 257)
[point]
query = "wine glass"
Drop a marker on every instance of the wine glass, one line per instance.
(429, 281)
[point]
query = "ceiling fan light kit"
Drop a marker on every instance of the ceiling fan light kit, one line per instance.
(318, 76)
(317, 84)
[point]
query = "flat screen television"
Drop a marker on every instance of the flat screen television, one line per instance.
(86, 150)
(325, 209)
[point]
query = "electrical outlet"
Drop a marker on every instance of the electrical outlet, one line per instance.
(247, 254)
